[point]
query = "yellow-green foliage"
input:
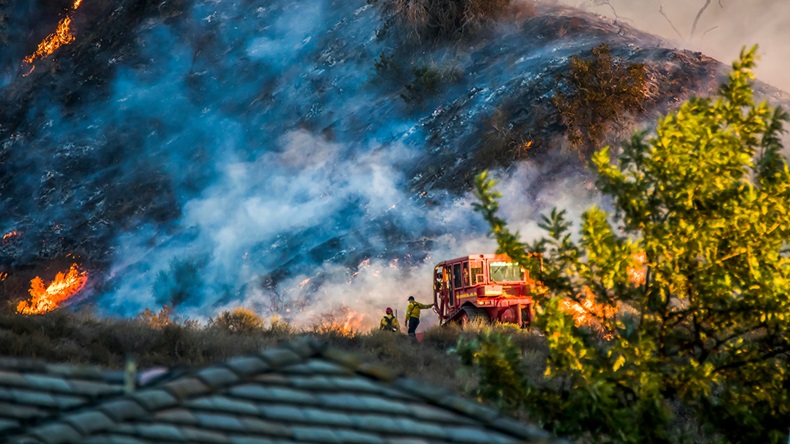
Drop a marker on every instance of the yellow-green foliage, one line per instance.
(595, 93)
(238, 320)
(706, 200)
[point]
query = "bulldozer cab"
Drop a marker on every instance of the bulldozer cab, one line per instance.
(486, 280)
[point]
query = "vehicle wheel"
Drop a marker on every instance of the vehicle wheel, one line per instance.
(471, 315)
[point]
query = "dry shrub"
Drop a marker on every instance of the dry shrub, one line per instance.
(436, 19)
(157, 320)
(596, 93)
(238, 320)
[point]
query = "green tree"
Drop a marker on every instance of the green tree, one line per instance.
(695, 268)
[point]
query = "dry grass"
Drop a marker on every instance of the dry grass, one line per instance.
(83, 338)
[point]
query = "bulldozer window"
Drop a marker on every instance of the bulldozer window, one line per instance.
(477, 273)
(457, 277)
(506, 272)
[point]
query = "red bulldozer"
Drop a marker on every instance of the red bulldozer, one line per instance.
(485, 287)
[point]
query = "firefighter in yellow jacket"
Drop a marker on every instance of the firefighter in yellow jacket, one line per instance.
(389, 322)
(413, 315)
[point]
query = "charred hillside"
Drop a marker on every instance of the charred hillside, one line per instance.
(204, 153)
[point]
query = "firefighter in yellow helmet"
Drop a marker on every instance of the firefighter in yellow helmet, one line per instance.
(413, 315)
(389, 322)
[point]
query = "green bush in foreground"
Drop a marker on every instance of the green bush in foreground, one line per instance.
(702, 210)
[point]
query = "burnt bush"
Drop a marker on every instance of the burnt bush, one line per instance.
(442, 19)
(596, 93)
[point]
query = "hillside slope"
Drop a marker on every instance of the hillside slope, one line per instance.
(214, 153)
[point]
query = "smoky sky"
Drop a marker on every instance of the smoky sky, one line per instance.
(724, 28)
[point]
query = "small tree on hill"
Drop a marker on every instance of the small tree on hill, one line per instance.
(595, 93)
(703, 222)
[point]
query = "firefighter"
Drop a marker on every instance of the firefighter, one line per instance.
(413, 315)
(389, 322)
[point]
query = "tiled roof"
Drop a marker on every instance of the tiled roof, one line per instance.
(31, 390)
(302, 392)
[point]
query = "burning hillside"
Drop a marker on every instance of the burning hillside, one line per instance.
(198, 153)
(45, 299)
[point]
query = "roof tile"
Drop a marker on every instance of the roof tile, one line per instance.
(160, 432)
(7, 424)
(272, 379)
(422, 428)
(306, 347)
(258, 426)
(422, 391)
(122, 409)
(249, 440)
(355, 437)
(379, 372)
(247, 365)
(342, 400)
(5, 394)
(468, 434)
(348, 360)
(30, 397)
(19, 411)
(275, 394)
(91, 388)
(217, 377)
(178, 416)
(324, 417)
(317, 368)
(283, 412)
(315, 434)
(89, 422)
(279, 357)
(312, 383)
(67, 402)
(377, 404)
(111, 439)
(470, 408)
(56, 433)
(431, 413)
(357, 384)
(46, 383)
(192, 434)
(155, 399)
(74, 371)
(12, 379)
(223, 404)
(377, 423)
(219, 421)
(186, 387)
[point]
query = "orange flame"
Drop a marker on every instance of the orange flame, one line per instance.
(587, 311)
(637, 271)
(61, 36)
(3, 276)
(64, 286)
(347, 323)
(10, 235)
